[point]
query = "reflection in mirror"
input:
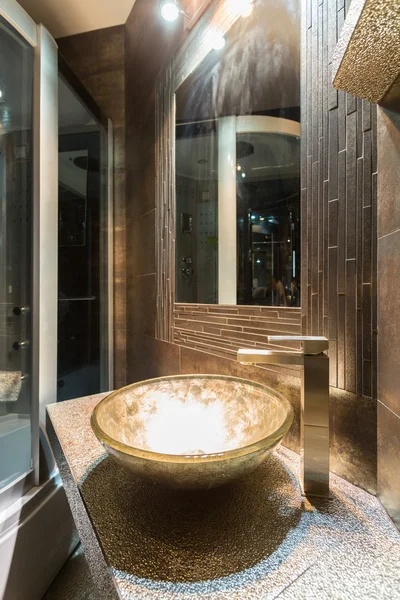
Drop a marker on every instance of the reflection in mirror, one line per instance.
(238, 165)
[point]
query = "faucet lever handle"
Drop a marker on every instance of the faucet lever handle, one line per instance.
(311, 344)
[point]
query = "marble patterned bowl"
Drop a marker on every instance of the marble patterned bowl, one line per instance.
(191, 431)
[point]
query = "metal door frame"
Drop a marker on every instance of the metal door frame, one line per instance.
(45, 223)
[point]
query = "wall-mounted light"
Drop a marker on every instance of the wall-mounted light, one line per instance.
(170, 9)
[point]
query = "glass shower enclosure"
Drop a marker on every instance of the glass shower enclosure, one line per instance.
(16, 266)
(84, 365)
(31, 300)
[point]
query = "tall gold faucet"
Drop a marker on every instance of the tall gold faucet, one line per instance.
(314, 410)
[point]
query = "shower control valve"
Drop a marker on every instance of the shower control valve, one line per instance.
(187, 272)
(20, 345)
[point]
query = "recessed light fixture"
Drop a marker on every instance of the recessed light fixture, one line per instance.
(239, 168)
(243, 175)
(170, 9)
(218, 41)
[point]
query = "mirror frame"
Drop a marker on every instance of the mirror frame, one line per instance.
(217, 18)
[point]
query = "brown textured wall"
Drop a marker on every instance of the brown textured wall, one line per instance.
(389, 312)
(339, 245)
(339, 204)
(98, 59)
(149, 41)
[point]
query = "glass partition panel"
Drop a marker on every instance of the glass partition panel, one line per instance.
(16, 228)
(83, 249)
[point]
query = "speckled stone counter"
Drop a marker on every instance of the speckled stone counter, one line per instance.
(254, 539)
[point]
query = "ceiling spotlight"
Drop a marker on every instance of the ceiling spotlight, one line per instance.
(218, 42)
(243, 175)
(169, 9)
(239, 168)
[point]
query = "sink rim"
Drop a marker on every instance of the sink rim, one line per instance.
(272, 439)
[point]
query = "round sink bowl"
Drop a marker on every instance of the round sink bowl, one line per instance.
(191, 431)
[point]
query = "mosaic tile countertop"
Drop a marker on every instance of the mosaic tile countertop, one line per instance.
(253, 539)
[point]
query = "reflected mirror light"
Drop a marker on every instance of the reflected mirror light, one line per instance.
(218, 41)
(169, 10)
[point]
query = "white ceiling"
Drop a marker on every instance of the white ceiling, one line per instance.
(68, 17)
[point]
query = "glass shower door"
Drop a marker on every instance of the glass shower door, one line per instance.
(84, 298)
(16, 235)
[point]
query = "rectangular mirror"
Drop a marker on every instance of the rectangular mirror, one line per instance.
(237, 164)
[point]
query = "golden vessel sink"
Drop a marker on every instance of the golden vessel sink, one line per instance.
(191, 431)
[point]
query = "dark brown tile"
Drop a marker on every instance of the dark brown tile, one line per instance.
(142, 245)
(367, 164)
(141, 308)
(94, 51)
(119, 359)
(105, 91)
(119, 146)
(140, 198)
(350, 324)
(366, 115)
(341, 346)
(341, 258)
(98, 60)
(389, 461)
(152, 358)
(389, 321)
(120, 303)
(351, 185)
(389, 172)
(353, 424)
(367, 246)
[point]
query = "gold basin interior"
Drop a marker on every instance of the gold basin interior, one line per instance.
(188, 420)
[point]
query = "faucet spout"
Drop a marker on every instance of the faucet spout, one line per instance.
(314, 408)
(270, 357)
